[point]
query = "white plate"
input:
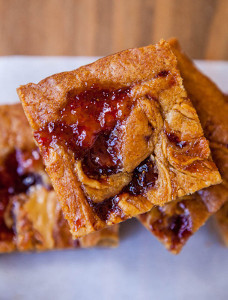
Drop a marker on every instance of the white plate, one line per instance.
(140, 268)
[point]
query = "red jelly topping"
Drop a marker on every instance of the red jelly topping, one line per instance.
(16, 176)
(173, 138)
(144, 177)
(106, 207)
(163, 73)
(178, 227)
(86, 125)
(102, 158)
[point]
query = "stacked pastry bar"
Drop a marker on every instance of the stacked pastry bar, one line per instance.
(121, 138)
(175, 222)
(30, 216)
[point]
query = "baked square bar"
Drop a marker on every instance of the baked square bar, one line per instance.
(118, 136)
(175, 222)
(30, 216)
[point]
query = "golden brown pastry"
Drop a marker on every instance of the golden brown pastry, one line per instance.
(30, 216)
(118, 136)
(174, 223)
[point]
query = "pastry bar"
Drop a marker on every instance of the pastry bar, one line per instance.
(30, 216)
(221, 218)
(175, 222)
(118, 136)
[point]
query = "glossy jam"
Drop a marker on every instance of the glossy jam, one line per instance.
(144, 177)
(102, 158)
(17, 173)
(16, 176)
(163, 73)
(86, 125)
(177, 227)
(107, 207)
(173, 138)
(180, 226)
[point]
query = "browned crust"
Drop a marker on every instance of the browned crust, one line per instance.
(212, 108)
(42, 102)
(37, 217)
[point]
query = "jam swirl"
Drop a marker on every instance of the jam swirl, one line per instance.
(86, 127)
(144, 178)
